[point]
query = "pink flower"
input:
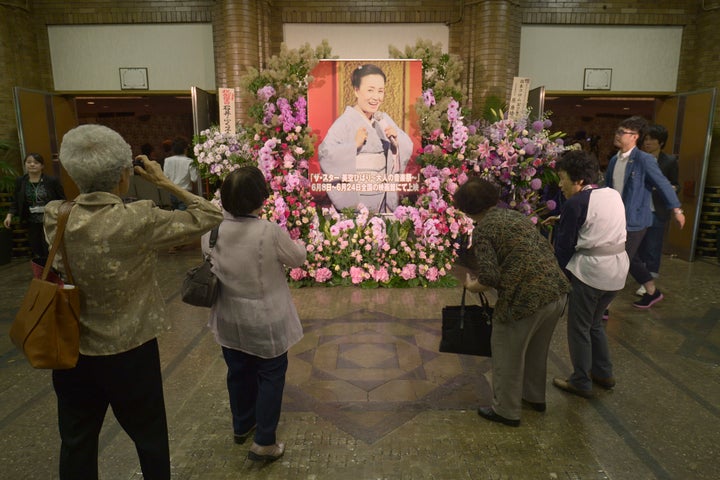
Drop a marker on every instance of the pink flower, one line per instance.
(323, 274)
(357, 274)
(432, 274)
(409, 271)
(381, 275)
(298, 274)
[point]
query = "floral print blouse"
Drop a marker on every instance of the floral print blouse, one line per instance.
(112, 250)
(510, 255)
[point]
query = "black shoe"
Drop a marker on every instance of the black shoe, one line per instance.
(489, 414)
(537, 406)
(648, 300)
(242, 438)
(565, 385)
(606, 383)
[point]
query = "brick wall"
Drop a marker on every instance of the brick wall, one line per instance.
(482, 32)
(706, 72)
(21, 63)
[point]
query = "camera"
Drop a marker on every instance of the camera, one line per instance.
(138, 163)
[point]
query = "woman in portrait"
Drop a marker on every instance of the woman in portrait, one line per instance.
(366, 142)
(32, 192)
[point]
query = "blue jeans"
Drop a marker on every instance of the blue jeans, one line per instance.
(586, 335)
(256, 388)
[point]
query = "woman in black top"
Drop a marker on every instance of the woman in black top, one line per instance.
(32, 192)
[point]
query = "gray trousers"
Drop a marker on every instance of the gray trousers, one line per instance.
(519, 358)
(586, 335)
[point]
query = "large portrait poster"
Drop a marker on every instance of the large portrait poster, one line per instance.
(362, 113)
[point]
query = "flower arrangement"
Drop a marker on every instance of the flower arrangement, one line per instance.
(416, 245)
(521, 158)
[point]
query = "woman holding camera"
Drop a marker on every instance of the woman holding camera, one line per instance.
(112, 250)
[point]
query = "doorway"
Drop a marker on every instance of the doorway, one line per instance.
(140, 120)
(592, 121)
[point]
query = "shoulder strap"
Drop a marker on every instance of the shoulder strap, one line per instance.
(63, 214)
(214, 236)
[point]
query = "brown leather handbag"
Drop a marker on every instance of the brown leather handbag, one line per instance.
(47, 326)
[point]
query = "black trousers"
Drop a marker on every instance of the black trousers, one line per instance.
(36, 239)
(637, 267)
(129, 382)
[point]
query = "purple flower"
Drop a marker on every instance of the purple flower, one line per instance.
(429, 98)
(459, 136)
(268, 112)
(551, 205)
(453, 111)
(536, 184)
(265, 93)
(537, 125)
(301, 109)
(286, 114)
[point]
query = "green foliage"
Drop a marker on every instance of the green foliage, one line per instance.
(493, 109)
(288, 73)
(8, 173)
(442, 72)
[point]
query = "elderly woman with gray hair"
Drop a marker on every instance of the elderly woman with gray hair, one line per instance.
(112, 250)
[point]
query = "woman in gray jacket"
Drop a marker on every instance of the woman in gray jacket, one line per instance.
(254, 319)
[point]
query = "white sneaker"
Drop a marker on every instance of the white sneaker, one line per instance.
(641, 291)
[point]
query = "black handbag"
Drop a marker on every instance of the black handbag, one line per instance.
(200, 287)
(467, 328)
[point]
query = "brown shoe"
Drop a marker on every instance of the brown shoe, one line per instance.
(267, 453)
(563, 384)
(606, 383)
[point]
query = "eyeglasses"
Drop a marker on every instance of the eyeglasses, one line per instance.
(620, 131)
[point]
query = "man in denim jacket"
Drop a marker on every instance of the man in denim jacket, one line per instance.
(634, 174)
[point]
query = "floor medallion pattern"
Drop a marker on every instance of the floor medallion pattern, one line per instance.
(369, 373)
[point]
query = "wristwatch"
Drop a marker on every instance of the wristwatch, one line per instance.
(678, 211)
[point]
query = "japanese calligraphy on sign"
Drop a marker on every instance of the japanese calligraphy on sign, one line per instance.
(519, 97)
(227, 110)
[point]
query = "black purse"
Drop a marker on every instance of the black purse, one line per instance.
(200, 287)
(467, 328)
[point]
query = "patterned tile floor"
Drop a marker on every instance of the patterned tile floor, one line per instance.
(368, 396)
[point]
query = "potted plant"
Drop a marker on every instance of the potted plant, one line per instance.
(8, 173)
